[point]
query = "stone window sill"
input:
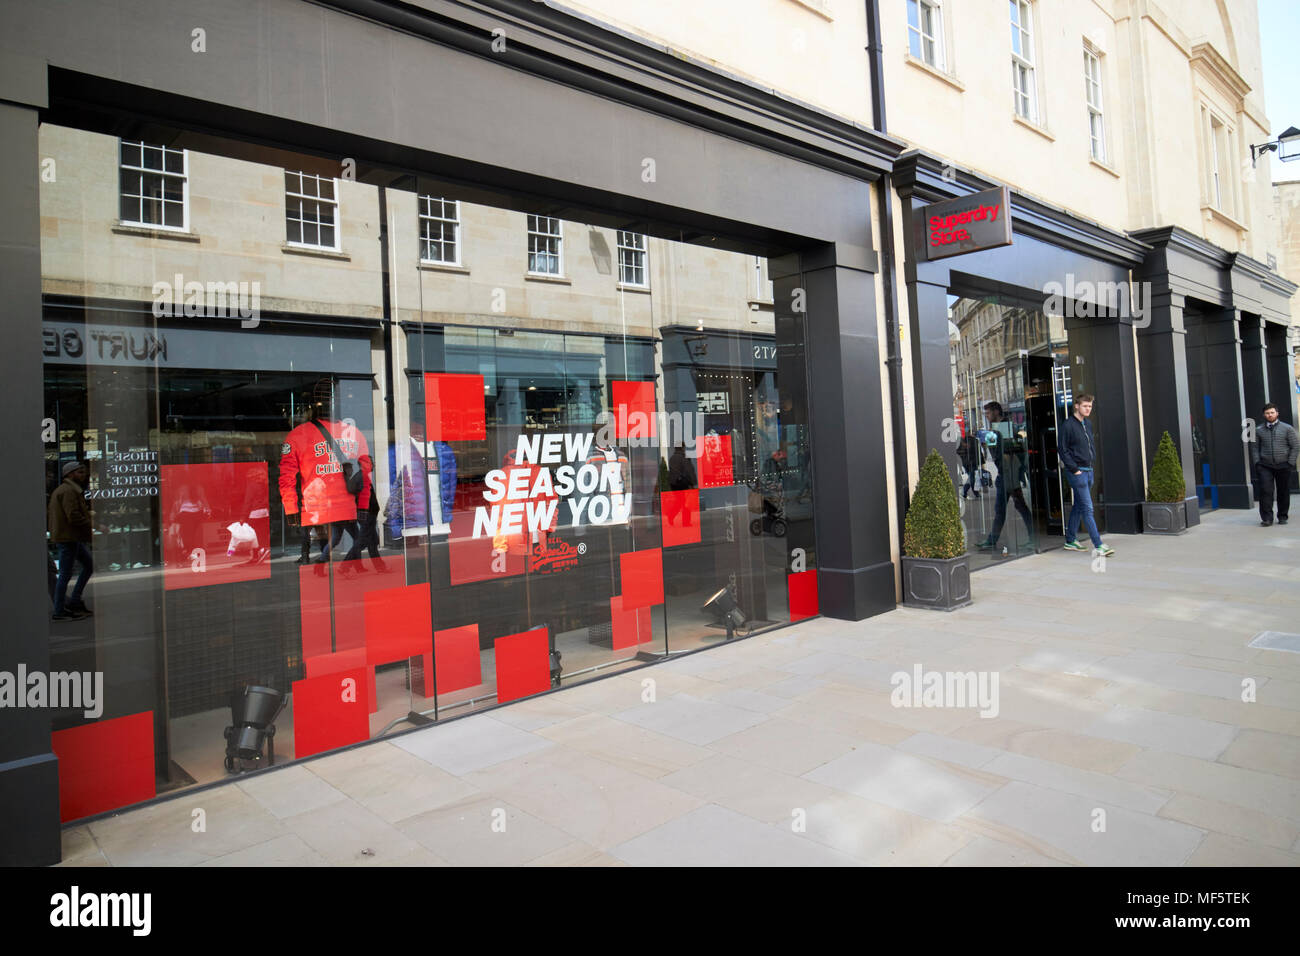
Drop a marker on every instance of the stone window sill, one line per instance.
(149, 232)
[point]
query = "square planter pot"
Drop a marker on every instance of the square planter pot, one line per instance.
(1164, 517)
(939, 583)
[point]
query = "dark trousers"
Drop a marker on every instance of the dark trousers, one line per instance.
(71, 552)
(1270, 476)
(1000, 509)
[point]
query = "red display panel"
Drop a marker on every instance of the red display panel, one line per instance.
(330, 711)
(802, 588)
(216, 526)
(456, 654)
(680, 517)
(634, 409)
(479, 559)
(631, 627)
(105, 765)
(523, 664)
(642, 575)
(314, 609)
(397, 623)
(715, 462)
(323, 664)
(453, 407)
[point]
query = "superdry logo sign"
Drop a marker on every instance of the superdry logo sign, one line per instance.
(966, 224)
(551, 555)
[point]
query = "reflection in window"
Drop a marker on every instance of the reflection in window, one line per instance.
(439, 230)
(153, 185)
(310, 210)
(544, 245)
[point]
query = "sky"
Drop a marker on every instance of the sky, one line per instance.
(1279, 34)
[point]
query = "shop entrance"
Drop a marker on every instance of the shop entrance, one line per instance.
(1011, 392)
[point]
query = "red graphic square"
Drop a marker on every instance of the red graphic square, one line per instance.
(478, 559)
(323, 664)
(216, 523)
(104, 765)
(353, 580)
(642, 574)
(456, 654)
(802, 588)
(523, 664)
(634, 409)
(453, 407)
(329, 713)
(715, 462)
(314, 609)
(680, 517)
(397, 623)
(631, 627)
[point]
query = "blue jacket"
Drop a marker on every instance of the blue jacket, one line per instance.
(1075, 446)
(408, 497)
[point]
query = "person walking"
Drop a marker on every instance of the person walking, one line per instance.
(1006, 449)
(1273, 457)
(1077, 452)
(71, 527)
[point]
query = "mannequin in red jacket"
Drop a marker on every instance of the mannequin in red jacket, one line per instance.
(307, 455)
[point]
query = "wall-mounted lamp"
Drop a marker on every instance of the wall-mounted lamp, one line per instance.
(1287, 146)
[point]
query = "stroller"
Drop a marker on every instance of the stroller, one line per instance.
(767, 501)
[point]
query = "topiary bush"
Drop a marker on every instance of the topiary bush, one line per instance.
(1165, 482)
(933, 525)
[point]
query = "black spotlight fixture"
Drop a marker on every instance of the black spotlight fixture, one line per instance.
(723, 607)
(253, 710)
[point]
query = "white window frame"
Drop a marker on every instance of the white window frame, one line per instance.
(1022, 63)
(540, 234)
(306, 198)
(427, 212)
(1216, 163)
(935, 8)
(633, 255)
(142, 171)
(1092, 91)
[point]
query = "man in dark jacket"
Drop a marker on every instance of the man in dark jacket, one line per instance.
(1273, 456)
(1077, 452)
(71, 527)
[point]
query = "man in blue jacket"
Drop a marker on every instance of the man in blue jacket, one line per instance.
(1078, 452)
(424, 474)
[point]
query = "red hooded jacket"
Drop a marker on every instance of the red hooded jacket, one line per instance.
(325, 495)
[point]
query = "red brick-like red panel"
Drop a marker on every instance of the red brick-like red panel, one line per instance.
(199, 505)
(802, 588)
(523, 664)
(323, 664)
(105, 765)
(680, 517)
(397, 623)
(634, 409)
(456, 655)
(453, 407)
(474, 559)
(642, 576)
(631, 627)
(715, 462)
(330, 712)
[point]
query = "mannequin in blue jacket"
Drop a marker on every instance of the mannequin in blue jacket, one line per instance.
(413, 481)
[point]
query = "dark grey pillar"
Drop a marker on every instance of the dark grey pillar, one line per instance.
(29, 777)
(1166, 406)
(1279, 362)
(1104, 364)
(1218, 333)
(932, 383)
(1254, 367)
(856, 570)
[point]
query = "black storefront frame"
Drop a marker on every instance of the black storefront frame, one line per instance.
(808, 179)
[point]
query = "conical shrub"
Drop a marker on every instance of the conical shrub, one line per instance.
(933, 525)
(1165, 482)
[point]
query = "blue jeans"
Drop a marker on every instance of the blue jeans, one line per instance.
(68, 553)
(1082, 510)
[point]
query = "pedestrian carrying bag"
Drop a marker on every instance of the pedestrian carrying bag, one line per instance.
(352, 477)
